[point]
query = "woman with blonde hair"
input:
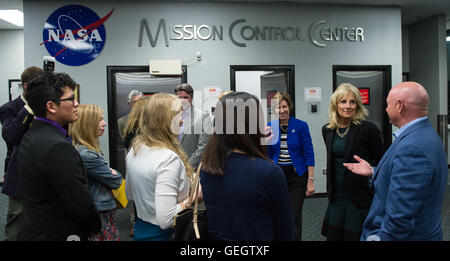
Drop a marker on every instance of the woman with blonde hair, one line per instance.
(85, 133)
(132, 125)
(130, 130)
(347, 134)
(158, 172)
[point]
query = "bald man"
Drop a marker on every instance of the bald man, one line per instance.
(410, 180)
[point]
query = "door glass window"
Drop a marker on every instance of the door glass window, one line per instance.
(121, 81)
(264, 81)
(372, 83)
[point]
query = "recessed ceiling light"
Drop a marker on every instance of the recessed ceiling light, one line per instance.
(12, 16)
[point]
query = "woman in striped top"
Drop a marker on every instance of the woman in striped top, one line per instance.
(293, 151)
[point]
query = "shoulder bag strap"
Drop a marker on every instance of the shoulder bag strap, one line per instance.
(196, 192)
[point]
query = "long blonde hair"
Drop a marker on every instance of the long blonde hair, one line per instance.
(135, 113)
(333, 115)
(84, 131)
(155, 126)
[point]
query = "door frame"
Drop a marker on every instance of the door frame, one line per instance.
(387, 85)
(289, 68)
(113, 129)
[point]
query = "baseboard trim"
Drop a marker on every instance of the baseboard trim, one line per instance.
(319, 195)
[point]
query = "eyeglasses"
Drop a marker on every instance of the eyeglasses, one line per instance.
(72, 99)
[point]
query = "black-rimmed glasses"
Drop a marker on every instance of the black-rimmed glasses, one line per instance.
(72, 99)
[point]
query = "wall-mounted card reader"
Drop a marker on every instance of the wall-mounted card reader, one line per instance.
(313, 107)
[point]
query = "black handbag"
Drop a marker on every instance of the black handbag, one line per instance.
(190, 224)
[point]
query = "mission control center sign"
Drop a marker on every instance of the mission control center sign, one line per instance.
(240, 32)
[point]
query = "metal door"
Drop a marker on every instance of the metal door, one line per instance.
(121, 80)
(374, 84)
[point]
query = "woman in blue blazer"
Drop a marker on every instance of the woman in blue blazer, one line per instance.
(293, 152)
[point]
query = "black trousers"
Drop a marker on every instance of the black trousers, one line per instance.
(297, 192)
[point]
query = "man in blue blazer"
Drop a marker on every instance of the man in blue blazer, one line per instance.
(410, 179)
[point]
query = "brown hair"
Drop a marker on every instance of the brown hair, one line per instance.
(30, 73)
(133, 118)
(222, 143)
(185, 87)
(280, 96)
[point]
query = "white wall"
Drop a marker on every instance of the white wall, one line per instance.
(428, 62)
(405, 49)
(313, 65)
(11, 67)
(249, 81)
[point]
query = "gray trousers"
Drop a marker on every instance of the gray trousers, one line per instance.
(14, 219)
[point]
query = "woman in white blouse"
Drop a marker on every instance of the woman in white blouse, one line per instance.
(157, 170)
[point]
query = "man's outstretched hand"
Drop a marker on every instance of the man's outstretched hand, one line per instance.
(362, 168)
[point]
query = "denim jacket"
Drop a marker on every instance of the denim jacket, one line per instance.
(100, 178)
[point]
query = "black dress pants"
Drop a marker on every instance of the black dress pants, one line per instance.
(297, 192)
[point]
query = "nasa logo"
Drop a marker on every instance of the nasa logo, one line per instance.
(74, 34)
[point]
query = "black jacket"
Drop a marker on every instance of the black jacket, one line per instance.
(55, 189)
(15, 121)
(365, 141)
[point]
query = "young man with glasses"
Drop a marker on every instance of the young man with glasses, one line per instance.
(58, 205)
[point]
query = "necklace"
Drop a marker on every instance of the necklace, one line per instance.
(283, 129)
(342, 135)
